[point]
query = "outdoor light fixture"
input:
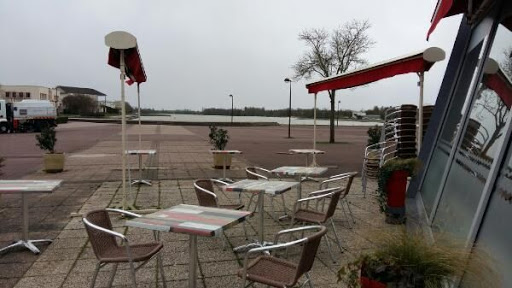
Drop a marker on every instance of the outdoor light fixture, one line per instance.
(230, 95)
(287, 80)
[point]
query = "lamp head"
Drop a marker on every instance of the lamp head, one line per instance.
(287, 80)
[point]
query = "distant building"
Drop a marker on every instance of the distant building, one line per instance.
(65, 91)
(16, 93)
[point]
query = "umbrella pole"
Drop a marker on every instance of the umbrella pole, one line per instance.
(420, 111)
(313, 163)
(140, 125)
(123, 126)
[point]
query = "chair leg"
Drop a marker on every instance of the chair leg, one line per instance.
(336, 236)
(161, 267)
(309, 280)
(132, 270)
(329, 248)
(350, 211)
(284, 204)
(345, 214)
(95, 275)
(112, 274)
(225, 241)
(245, 231)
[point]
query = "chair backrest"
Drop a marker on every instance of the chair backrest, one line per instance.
(101, 242)
(205, 193)
(350, 178)
(333, 203)
(309, 250)
(255, 173)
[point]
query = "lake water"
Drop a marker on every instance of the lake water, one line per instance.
(227, 119)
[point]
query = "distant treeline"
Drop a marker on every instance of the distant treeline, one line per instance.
(255, 111)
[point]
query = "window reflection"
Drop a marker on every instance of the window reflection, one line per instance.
(489, 114)
(482, 138)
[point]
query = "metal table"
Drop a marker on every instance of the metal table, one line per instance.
(259, 187)
(224, 153)
(25, 187)
(194, 221)
(307, 152)
(140, 153)
(299, 172)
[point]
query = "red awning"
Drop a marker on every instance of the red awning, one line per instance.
(415, 62)
(502, 85)
(444, 9)
(473, 9)
(133, 63)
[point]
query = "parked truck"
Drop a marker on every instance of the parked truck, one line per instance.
(26, 115)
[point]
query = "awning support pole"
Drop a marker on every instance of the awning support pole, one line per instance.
(420, 111)
(123, 126)
(140, 124)
(313, 162)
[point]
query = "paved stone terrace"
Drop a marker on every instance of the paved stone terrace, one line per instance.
(92, 181)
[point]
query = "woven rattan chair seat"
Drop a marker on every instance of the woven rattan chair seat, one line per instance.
(271, 271)
(140, 252)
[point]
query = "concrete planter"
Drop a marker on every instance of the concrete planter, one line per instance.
(218, 160)
(53, 162)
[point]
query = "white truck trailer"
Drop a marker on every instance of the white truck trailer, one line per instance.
(26, 115)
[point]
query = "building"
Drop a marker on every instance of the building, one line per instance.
(465, 187)
(16, 93)
(65, 91)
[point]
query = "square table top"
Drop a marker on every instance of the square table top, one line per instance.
(28, 186)
(225, 152)
(141, 152)
(299, 170)
(306, 151)
(190, 219)
(258, 186)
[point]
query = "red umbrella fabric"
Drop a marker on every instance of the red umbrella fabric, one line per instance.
(133, 63)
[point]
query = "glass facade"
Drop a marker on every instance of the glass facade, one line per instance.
(467, 187)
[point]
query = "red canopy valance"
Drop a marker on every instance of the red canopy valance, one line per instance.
(500, 83)
(133, 63)
(473, 9)
(415, 62)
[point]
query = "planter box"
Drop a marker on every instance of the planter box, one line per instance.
(53, 163)
(396, 188)
(218, 160)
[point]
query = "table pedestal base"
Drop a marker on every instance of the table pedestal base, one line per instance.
(27, 244)
(140, 182)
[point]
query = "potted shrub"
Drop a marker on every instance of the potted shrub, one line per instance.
(409, 260)
(392, 185)
(219, 139)
(53, 161)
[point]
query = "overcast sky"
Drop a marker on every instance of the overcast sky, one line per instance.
(197, 52)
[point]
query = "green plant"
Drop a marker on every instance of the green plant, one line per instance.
(373, 135)
(218, 137)
(411, 165)
(410, 260)
(47, 139)
(61, 119)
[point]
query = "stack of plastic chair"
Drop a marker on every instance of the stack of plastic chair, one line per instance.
(398, 140)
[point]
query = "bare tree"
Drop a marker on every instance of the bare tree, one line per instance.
(335, 53)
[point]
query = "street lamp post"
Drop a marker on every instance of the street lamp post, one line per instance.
(287, 80)
(230, 95)
(338, 118)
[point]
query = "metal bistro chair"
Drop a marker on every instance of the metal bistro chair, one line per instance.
(107, 250)
(258, 173)
(346, 180)
(303, 212)
(206, 197)
(279, 272)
